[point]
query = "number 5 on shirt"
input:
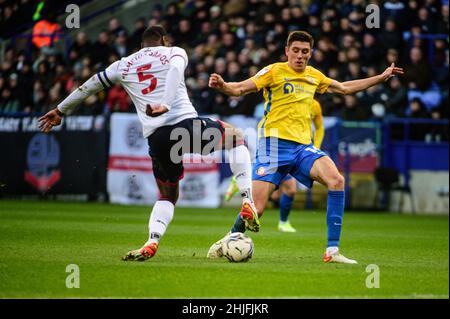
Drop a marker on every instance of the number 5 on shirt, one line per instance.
(142, 77)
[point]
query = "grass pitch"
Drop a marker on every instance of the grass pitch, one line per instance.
(39, 239)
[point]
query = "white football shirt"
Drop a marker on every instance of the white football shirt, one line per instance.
(143, 75)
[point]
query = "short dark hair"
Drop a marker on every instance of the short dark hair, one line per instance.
(301, 36)
(154, 33)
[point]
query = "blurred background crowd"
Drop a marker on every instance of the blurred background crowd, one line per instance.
(237, 38)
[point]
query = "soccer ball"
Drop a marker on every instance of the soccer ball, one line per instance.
(237, 247)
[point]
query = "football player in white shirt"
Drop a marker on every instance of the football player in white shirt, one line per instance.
(154, 79)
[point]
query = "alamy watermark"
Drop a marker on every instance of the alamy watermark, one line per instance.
(373, 17)
(73, 17)
(73, 279)
(206, 142)
(373, 279)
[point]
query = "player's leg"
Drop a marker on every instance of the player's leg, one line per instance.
(261, 191)
(167, 174)
(325, 172)
(266, 176)
(241, 167)
(160, 218)
(288, 189)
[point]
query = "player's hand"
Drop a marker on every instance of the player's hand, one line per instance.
(155, 110)
(216, 81)
(391, 71)
(52, 118)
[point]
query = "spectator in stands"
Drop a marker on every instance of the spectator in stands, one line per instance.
(39, 97)
(134, 41)
(352, 111)
(417, 109)
(392, 56)
(9, 104)
(299, 20)
(120, 44)
(171, 16)
(439, 132)
(81, 47)
(220, 104)
(391, 36)
(220, 65)
(233, 73)
(25, 82)
(228, 43)
(418, 74)
(115, 28)
(102, 49)
(117, 99)
(313, 26)
(202, 95)
(396, 10)
(397, 100)
(442, 23)
(43, 75)
(183, 36)
(427, 25)
(45, 32)
(7, 20)
(373, 95)
(370, 51)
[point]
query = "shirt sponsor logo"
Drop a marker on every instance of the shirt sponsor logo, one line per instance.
(288, 88)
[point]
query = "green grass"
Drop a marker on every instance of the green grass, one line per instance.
(39, 239)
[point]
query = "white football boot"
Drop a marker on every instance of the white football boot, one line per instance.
(333, 256)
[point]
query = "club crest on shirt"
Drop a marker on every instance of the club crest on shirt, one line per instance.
(261, 171)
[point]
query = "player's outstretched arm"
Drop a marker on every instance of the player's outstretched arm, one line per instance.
(88, 88)
(354, 86)
(93, 85)
(231, 88)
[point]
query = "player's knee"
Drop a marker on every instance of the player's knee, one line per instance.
(171, 197)
(336, 182)
(234, 137)
(168, 191)
(290, 192)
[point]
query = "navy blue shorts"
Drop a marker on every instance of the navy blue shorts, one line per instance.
(203, 136)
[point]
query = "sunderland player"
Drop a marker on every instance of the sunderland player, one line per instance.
(288, 186)
(154, 79)
(289, 89)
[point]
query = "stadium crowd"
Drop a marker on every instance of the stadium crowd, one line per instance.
(236, 38)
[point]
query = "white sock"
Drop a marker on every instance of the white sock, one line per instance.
(241, 166)
(160, 219)
(332, 250)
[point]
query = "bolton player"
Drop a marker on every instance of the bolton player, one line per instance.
(154, 79)
(289, 89)
(288, 185)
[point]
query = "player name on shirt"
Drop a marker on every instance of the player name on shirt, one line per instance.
(143, 75)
